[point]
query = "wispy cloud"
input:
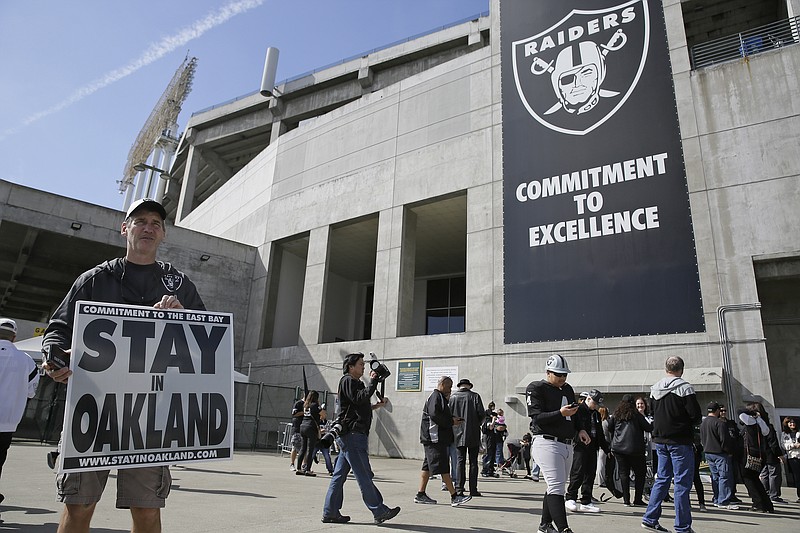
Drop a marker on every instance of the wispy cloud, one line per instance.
(153, 53)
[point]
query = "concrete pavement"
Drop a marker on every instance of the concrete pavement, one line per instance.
(256, 492)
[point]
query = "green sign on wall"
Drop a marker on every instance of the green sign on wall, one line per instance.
(409, 376)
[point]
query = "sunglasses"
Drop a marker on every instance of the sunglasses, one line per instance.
(558, 375)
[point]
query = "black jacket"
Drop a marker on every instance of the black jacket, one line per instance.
(589, 421)
(437, 421)
(774, 450)
(355, 407)
(107, 283)
(627, 436)
(714, 436)
(675, 411)
(468, 405)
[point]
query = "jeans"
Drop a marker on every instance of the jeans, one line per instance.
(326, 454)
(353, 455)
(720, 465)
(499, 458)
(452, 451)
(674, 461)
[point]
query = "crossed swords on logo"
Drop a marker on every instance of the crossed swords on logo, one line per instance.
(617, 41)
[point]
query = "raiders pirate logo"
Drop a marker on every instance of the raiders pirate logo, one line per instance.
(172, 282)
(573, 76)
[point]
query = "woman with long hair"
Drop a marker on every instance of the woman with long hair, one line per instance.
(309, 430)
(627, 427)
(790, 442)
(754, 437)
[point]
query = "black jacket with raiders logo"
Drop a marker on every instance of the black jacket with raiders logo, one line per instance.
(108, 283)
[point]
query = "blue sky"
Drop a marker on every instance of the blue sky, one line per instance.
(79, 79)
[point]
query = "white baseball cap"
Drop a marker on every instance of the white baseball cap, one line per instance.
(8, 325)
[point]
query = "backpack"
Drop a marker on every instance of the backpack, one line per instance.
(613, 479)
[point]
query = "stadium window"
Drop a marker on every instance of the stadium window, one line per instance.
(445, 309)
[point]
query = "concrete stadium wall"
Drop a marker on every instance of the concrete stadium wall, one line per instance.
(439, 132)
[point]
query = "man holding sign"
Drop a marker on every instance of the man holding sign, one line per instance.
(136, 279)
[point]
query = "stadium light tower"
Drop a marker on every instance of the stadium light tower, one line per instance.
(156, 137)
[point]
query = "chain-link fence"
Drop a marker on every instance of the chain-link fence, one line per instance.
(44, 413)
(261, 411)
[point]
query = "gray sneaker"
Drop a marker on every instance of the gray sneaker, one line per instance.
(547, 528)
(424, 498)
(458, 499)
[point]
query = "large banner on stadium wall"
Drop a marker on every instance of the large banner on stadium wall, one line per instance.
(149, 387)
(598, 238)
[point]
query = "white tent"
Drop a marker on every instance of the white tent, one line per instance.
(33, 347)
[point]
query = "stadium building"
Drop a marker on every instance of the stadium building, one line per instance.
(454, 204)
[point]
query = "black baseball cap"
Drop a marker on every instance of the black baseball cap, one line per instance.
(713, 406)
(595, 395)
(149, 204)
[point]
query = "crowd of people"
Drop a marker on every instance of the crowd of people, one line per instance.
(576, 443)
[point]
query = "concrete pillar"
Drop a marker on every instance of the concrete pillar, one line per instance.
(480, 264)
(314, 287)
(256, 328)
(365, 74)
(407, 262)
(387, 273)
(186, 200)
(278, 127)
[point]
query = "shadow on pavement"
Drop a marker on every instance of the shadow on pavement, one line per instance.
(221, 492)
(26, 510)
(178, 468)
(440, 529)
(48, 528)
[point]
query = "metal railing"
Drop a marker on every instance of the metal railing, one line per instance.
(747, 43)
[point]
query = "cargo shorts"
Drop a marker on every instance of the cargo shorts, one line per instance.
(297, 441)
(146, 487)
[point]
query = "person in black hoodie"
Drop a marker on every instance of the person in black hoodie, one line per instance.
(675, 413)
(436, 434)
(627, 427)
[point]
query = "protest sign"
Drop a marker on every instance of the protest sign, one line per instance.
(149, 387)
